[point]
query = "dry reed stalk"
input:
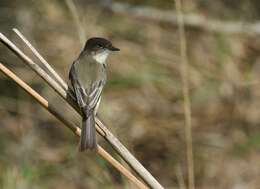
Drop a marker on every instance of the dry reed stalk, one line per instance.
(101, 128)
(76, 130)
(75, 15)
(45, 63)
(186, 95)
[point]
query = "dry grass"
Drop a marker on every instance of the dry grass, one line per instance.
(186, 94)
(143, 100)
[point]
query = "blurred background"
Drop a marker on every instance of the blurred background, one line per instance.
(142, 102)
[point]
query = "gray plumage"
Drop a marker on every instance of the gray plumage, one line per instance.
(88, 77)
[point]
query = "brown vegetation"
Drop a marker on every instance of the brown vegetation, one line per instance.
(142, 100)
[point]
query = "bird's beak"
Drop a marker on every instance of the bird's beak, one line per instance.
(112, 48)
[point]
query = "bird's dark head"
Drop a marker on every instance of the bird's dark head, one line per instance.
(99, 48)
(98, 44)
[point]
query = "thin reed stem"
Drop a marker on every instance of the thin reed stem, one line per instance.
(101, 128)
(186, 95)
(45, 63)
(75, 15)
(76, 130)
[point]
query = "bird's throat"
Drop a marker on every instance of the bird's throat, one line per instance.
(101, 57)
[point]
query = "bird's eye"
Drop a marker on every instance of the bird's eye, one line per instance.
(100, 46)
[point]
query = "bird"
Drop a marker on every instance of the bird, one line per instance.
(88, 77)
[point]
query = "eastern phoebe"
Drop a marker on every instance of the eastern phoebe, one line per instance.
(88, 77)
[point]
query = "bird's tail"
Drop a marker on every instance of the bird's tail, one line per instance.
(88, 132)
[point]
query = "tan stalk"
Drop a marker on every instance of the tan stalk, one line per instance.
(101, 128)
(76, 130)
(186, 95)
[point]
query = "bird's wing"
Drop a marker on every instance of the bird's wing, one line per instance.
(95, 93)
(77, 87)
